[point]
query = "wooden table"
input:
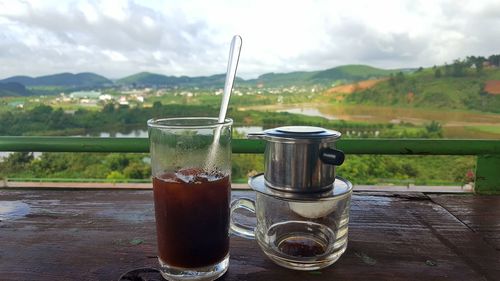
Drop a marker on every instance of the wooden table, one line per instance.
(99, 235)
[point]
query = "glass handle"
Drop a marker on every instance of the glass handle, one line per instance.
(237, 228)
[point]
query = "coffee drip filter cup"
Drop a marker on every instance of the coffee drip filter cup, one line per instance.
(301, 206)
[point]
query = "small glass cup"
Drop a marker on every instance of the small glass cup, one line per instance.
(191, 169)
(298, 234)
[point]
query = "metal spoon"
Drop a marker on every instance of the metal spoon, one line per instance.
(234, 56)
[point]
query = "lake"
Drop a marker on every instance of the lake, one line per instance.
(144, 133)
(140, 134)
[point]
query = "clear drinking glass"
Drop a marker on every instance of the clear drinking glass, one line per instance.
(298, 234)
(191, 168)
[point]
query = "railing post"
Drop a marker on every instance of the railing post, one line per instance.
(487, 174)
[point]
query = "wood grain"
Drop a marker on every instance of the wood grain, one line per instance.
(102, 234)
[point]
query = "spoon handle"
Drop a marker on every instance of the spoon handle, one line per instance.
(234, 56)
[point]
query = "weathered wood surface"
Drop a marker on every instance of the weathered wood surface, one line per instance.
(481, 216)
(99, 235)
(4, 184)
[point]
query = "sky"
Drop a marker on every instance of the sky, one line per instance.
(188, 37)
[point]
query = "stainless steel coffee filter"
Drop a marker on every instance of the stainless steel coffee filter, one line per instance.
(300, 158)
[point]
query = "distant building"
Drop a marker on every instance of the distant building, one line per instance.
(16, 104)
(85, 95)
(105, 97)
(123, 100)
(187, 94)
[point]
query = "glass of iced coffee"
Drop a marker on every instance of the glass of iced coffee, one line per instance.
(191, 169)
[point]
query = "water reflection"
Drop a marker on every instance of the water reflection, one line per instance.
(249, 129)
(144, 133)
(309, 112)
(131, 134)
(11, 210)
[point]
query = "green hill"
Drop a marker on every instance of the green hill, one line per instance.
(66, 80)
(282, 79)
(346, 73)
(10, 89)
(56, 83)
(147, 79)
(351, 73)
(438, 87)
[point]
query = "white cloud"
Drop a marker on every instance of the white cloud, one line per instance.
(114, 56)
(89, 12)
(118, 38)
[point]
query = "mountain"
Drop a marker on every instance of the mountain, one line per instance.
(283, 79)
(13, 89)
(51, 84)
(351, 73)
(346, 73)
(147, 79)
(64, 80)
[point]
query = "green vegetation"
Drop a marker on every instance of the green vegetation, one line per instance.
(50, 90)
(487, 129)
(456, 86)
(110, 166)
(130, 167)
(419, 170)
(44, 120)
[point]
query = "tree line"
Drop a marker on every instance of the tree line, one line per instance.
(459, 67)
(45, 120)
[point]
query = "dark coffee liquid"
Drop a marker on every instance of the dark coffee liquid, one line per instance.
(192, 217)
(301, 247)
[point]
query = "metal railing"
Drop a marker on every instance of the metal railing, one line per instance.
(487, 151)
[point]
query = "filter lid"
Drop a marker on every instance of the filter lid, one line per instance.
(302, 132)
